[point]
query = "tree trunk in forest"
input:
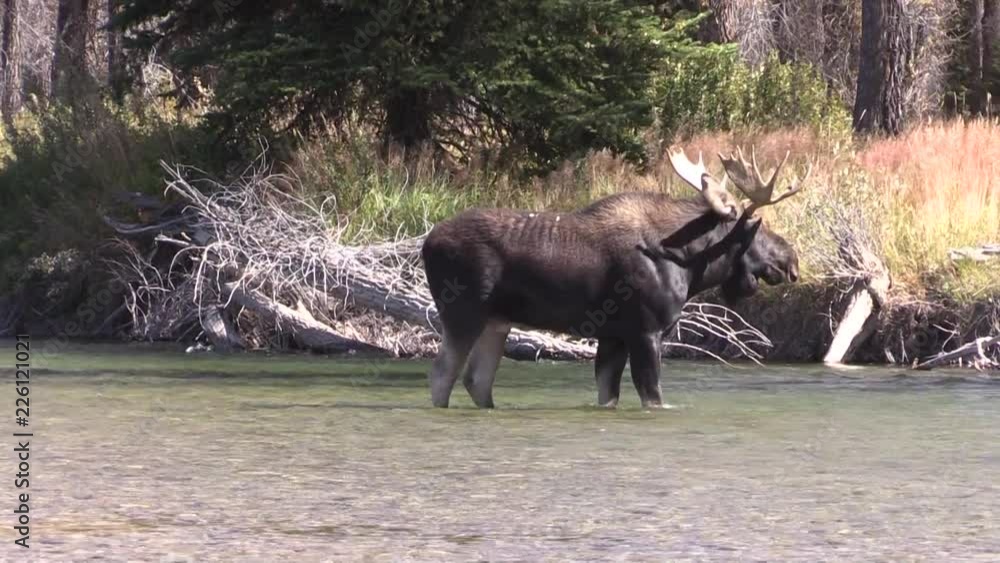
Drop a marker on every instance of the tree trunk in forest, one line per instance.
(800, 31)
(974, 55)
(722, 25)
(69, 58)
(778, 31)
(407, 119)
(116, 55)
(10, 63)
(886, 48)
(991, 52)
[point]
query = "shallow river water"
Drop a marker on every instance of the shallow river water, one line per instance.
(146, 454)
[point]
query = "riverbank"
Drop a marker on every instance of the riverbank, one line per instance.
(909, 200)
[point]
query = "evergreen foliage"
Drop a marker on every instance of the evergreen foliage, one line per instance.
(530, 81)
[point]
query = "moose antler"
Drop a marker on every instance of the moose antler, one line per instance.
(746, 176)
(695, 175)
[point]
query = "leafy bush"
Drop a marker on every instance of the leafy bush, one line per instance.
(62, 165)
(713, 89)
(379, 197)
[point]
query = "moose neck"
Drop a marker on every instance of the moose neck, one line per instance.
(711, 249)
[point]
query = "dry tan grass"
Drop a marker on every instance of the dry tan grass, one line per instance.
(942, 184)
(935, 188)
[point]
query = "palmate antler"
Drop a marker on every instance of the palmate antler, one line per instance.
(695, 174)
(745, 175)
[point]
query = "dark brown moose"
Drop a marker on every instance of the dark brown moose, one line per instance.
(619, 270)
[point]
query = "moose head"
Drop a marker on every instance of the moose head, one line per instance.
(753, 250)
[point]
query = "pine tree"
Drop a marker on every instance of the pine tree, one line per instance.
(539, 80)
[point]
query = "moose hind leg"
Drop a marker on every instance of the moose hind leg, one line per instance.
(447, 365)
(644, 357)
(482, 368)
(611, 357)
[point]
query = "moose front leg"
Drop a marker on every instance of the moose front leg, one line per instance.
(608, 367)
(644, 357)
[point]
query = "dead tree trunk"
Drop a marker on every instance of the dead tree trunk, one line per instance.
(306, 330)
(886, 47)
(858, 323)
(991, 53)
(220, 330)
(974, 54)
(10, 63)
(722, 25)
(69, 60)
(975, 350)
(116, 55)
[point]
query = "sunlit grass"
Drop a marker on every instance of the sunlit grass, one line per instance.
(941, 187)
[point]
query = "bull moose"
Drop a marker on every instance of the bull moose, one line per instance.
(619, 270)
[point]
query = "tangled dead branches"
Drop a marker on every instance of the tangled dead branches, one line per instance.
(260, 236)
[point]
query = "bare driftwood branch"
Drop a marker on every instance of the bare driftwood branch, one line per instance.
(975, 349)
(857, 267)
(975, 253)
(704, 319)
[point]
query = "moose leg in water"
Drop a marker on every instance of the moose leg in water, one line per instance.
(644, 357)
(483, 362)
(455, 347)
(609, 365)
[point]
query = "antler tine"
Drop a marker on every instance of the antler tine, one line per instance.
(742, 173)
(748, 178)
(752, 164)
(796, 186)
(781, 164)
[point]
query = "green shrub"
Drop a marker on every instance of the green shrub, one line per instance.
(379, 197)
(713, 89)
(63, 165)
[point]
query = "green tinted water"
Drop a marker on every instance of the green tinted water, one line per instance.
(146, 454)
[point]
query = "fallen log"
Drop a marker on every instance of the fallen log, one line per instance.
(220, 330)
(417, 307)
(855, 327)
(976, 348)
(306, 330)
(975, 253)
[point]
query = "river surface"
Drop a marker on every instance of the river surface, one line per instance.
(148, 454)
